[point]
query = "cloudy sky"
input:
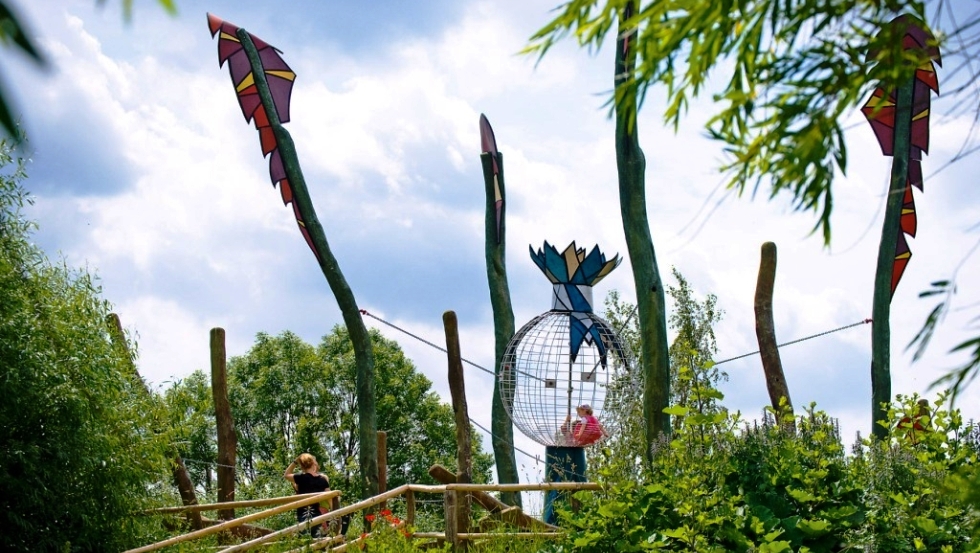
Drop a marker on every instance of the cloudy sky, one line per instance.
(145, 172)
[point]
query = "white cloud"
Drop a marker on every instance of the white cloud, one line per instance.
(196, 238)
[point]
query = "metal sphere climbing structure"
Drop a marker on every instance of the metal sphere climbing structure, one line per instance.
(565, 357)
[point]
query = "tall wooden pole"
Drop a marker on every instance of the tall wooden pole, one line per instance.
(504, 455)
(227, 439)
(359, 336)
(765, 332)
(650, 303)
(881, 380)
(459, 503)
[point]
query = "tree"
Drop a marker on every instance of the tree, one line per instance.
(78, 455)
(288, 397)
(189, 405)
(692, 369)
(693, 376)
(791, 71)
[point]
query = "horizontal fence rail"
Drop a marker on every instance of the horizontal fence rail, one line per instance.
(336, 543)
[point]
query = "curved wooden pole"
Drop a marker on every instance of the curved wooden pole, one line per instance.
(359, 336)
(631, 163)
(503, 324)
(881, 380)
(765, 332)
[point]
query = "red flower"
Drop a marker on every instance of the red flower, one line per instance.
(385, 512)
(370, 518)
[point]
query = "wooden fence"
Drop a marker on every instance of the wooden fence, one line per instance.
(454, 496)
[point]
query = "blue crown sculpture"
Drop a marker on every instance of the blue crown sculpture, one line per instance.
(573, 274)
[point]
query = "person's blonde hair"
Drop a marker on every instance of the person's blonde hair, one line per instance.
(306, 461)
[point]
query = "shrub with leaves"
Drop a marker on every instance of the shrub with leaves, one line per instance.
(77, 457)
(721, 485)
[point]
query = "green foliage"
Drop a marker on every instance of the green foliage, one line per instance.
(693, 377)
(691, 369)
(790, 71)
(288, 397)
(722, 485)
(193, 430)
(77, 459)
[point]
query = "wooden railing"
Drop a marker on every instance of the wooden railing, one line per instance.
(453, 495)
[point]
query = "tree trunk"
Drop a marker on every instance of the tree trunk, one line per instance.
(227, 439)
(765, 332)
(631, 164)
(186, 490)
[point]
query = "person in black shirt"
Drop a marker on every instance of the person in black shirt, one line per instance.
(308, 481)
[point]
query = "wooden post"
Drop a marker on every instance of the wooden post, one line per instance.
(410, 508)
(383, 465)
(765, 332)
(501, 427)
(881, 380)
(185, 487)
(650, 302)
(227, 440)
(181, 478)
(464, 448)
(450, 505)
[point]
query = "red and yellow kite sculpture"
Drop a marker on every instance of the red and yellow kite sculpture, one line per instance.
(899, 116)
(280, 78)
(880, 111)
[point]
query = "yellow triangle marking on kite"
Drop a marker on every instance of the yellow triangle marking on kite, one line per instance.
(905, 255)
(248, 81)
(226, 36)
(876, 101)
(923, 114)
(288, 75)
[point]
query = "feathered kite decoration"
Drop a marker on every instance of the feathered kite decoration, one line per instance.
(279, 78)
(900, 120)
(881, 113)
(264, 83)
(489, 144)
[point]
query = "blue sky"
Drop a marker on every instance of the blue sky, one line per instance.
(145, 172)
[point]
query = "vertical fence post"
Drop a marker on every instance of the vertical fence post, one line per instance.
(410, 508)
(227, 440)
(450, 502)
(383, 465)
(464, 448)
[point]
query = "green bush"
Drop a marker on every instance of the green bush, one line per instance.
(721, 485)
(76, 459)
